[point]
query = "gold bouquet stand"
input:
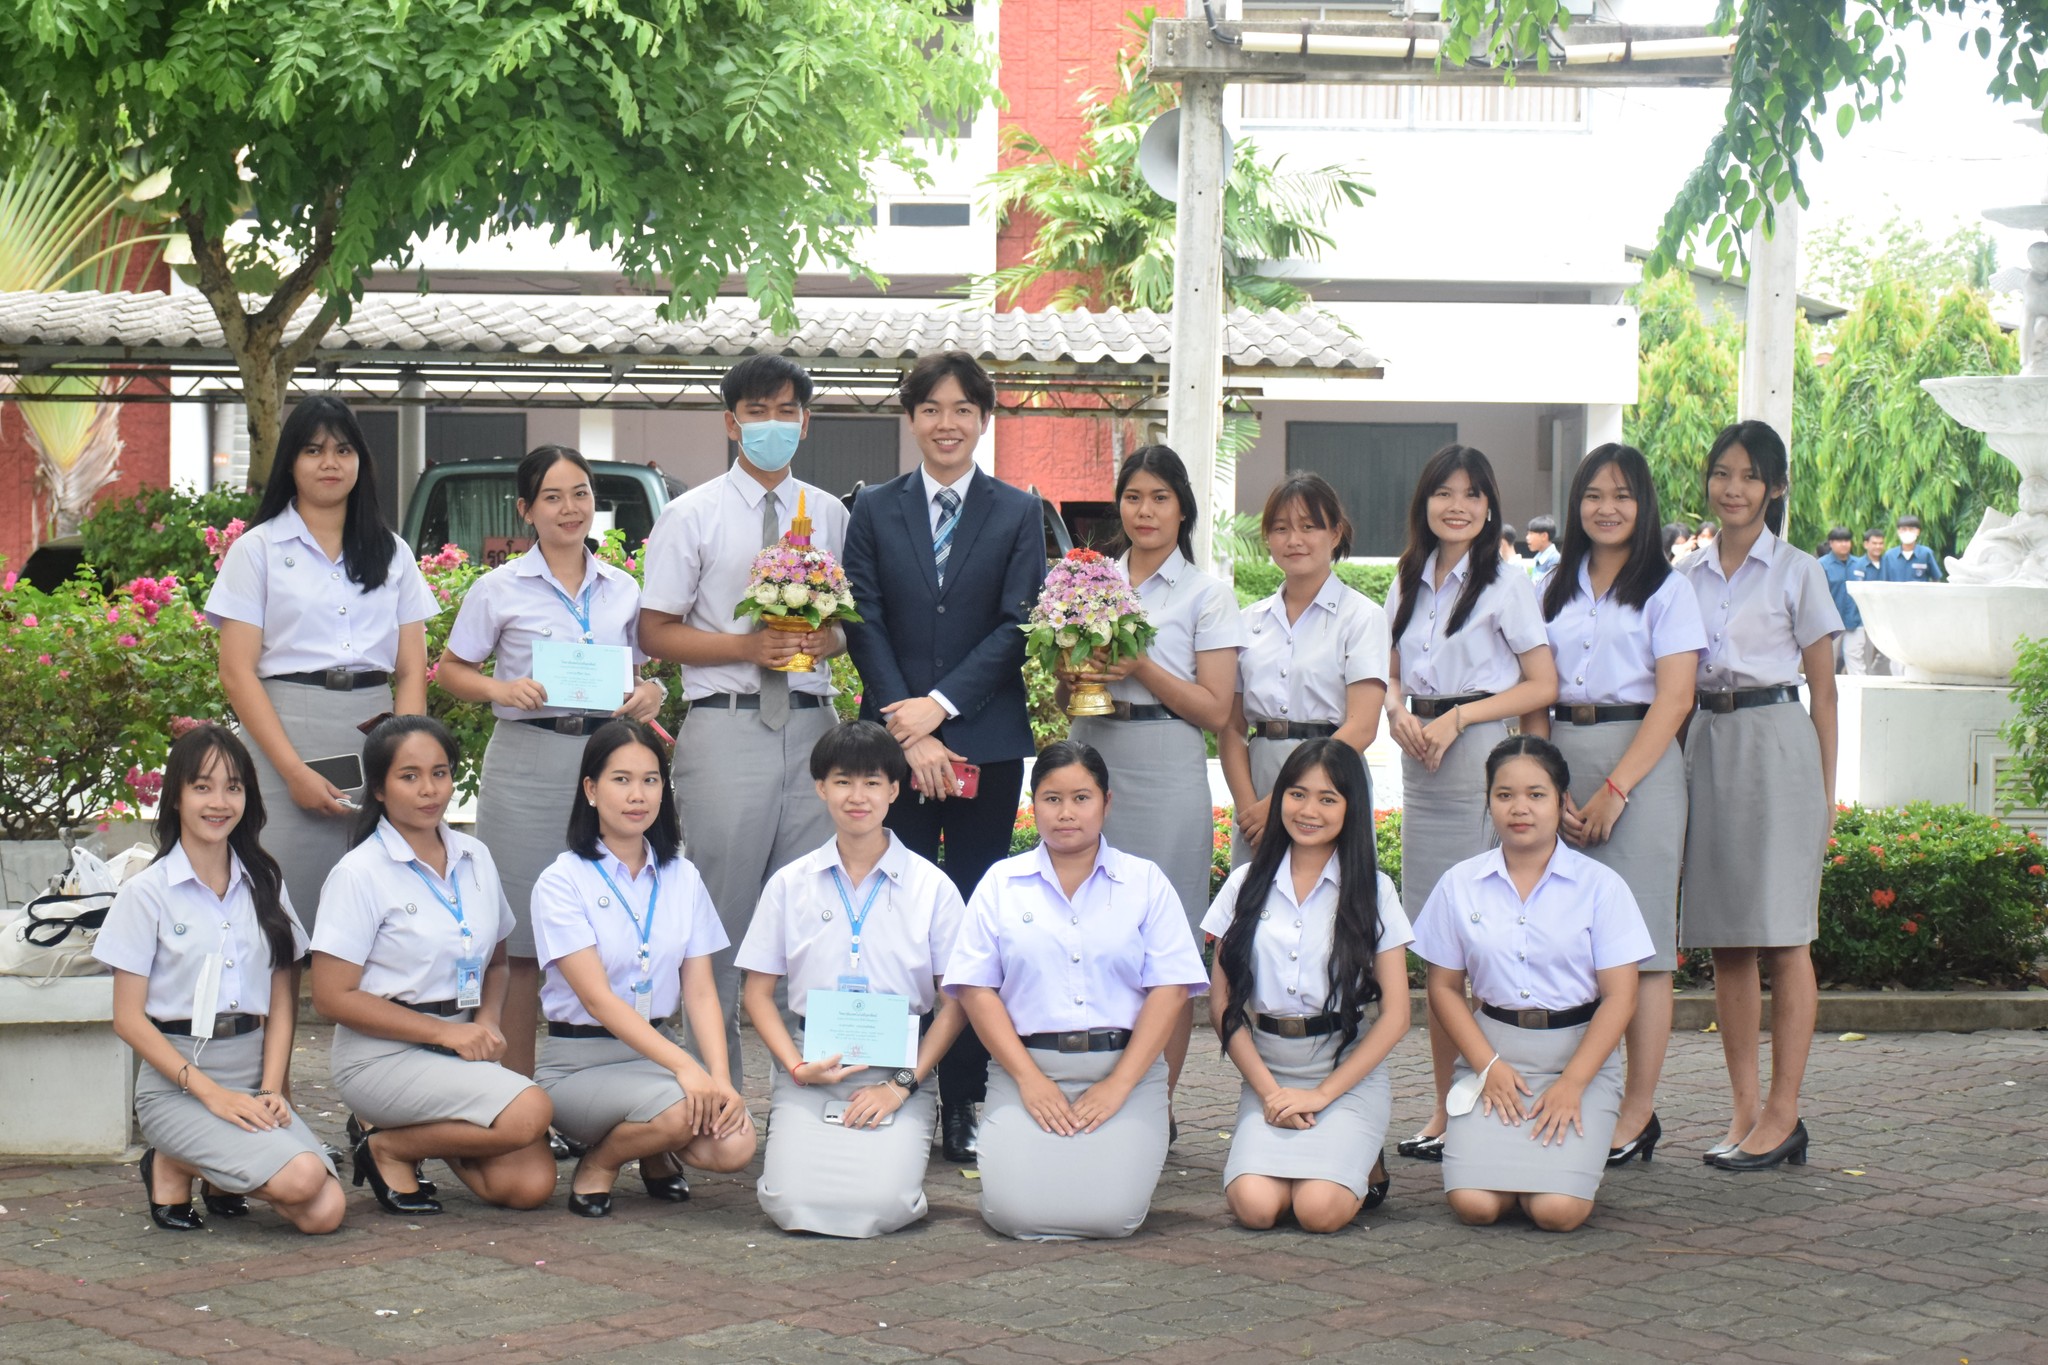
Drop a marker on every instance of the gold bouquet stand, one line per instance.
(1090, 699)
(793, 625)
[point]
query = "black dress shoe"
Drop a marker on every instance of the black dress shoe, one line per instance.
(356, 1133)
(413, 1203)
(591, 1205)
(565, 1148)
(1792, 1149)
(1377, 1185)
(1423, 1147)
(226, 1205)
(673, 1189)
(957, 1130)
(1642, 1144)
(173, 1217)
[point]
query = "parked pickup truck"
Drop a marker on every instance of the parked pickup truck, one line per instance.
(475, 504)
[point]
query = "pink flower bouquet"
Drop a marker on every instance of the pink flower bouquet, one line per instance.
(1086, 605)
(796, 586)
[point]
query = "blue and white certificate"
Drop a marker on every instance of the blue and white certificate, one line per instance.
(860, 1029)
(583, 677)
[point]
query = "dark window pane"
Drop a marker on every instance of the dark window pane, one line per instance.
(1373, 466)
(928, 215)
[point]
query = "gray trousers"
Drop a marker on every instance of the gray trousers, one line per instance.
(1860, 656)
(748, 807)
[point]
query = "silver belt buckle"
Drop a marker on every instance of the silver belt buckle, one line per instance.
(1532, 1018)
(1074, 1042)
(339, 680)
(224, 1025)
(1583, 714)
(1291, 1026)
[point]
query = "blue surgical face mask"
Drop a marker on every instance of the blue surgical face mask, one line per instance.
(770, 445)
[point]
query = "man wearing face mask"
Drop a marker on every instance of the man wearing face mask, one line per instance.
(742, 761)
(1909, 561)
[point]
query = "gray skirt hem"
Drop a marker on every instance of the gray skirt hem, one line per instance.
(522, 813)
(1444, 819)
(596, 1084)
(1349, 1133)
(1649, 839)
(390, 1084)
(1039, 1187)
(229, 1157)
(1483, 1153)
(822, 1178)
(319, 724)
(1758, 830)
(1162, 767)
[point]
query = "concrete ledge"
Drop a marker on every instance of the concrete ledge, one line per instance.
(1875, 1011)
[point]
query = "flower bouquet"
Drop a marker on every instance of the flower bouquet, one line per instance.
(797, 588)
(1086, 605)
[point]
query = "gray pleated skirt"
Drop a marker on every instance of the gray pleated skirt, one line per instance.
(1757, 832)
(320, 724)
(1482, 1153)
(1268, 757)
(1444, 819)
(843, 1182)
(1159, 777)
(522, 812)
(1349, 1133)
(1039, 1187)
(596, 1084)
(1649, 839)
(389, 1084)
(178, 1125)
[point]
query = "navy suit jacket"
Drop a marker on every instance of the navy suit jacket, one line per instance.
(963, 640)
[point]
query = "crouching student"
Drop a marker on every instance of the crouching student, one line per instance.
(1075, 962)
(625, 930)
(848, 1143)
(409, 962)
(1552, 941)
(202, 942)
(1311, 935)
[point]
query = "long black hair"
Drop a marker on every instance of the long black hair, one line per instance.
(1646, 569)
(665, 831)
(1767, 456)
(1355, 928)
(1164, 465)
(380, 750)
(1483, 559)
(367, 544)
(190, 755)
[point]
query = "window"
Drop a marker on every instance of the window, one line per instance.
(1373, 466)
(929, 215)
(1418, 106)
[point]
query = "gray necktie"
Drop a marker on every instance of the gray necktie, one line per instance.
(774, 685)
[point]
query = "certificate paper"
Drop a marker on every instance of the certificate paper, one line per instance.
(583, 677)
(859, 1028)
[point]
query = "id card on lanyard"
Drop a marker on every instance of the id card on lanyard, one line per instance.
(857, 921)
(469, 966)
(643, 988)
(580, 611)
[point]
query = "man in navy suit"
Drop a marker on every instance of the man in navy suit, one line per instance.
(945, 564)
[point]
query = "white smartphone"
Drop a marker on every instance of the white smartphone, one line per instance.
(835, 1112)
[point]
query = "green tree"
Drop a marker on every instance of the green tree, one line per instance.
(1109, 236)
(1688, 372)
(309, 140)
(1843, 261)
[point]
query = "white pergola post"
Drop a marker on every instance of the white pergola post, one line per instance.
(1770, 320)
(412, 437)
(1194, 398)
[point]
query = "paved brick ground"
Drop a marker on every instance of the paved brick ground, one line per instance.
(1920, 1233)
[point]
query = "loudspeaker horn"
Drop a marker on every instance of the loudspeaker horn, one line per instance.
(1159, 156)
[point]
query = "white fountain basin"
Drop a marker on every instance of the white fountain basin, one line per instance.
(1953, 633)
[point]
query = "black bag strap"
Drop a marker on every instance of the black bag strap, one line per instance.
(48, 931)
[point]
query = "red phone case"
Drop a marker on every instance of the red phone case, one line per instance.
(968, 776)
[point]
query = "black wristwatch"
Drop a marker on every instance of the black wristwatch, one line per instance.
(906, 1081)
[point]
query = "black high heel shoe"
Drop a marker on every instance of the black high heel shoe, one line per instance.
(673, 1189)
(356, 1134)
(1378, 1185)
(1423, 1147)
(411, 1203)
(225, 1205)
(172, 1217)
(1642, 1144)
(1792, 1149)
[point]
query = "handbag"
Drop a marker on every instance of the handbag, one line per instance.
(54, 935)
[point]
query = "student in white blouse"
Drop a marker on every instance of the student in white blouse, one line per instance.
(625, 931)
(1550, 941)
(1315, 656)
(201, 943)
(1628, 640)
(848, 1144)
(1310, 935)
(558, 592)
(322, 617)
(1762, 787)
(409, 961)
(1469, 653)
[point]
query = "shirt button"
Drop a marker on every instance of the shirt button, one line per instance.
(942, 609)
(1283, 710)
(1077, 919)
(289, 561)
(1525, 995)
(1077, 957)
(1521, 919)
(1283, 672)
(1581, 678)
(547, 630)
(1293, 956)
(1475, 916)
(1079, 1001)
(1522, 957)
(1297, 924)
(1587, 645)
(334, 575)
(228, 962)
(1027, 917)
(344, 611)
(1291, 991)
(234, 1004)
(1265, 914)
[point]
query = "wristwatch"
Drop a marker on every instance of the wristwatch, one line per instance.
(904, 1080)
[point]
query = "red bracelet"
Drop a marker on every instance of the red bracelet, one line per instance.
(1608, 782)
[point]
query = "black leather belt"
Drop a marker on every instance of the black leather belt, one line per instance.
(566, 725)
(1429, 708)
(1138, 710)
(333, 679)
(1080, 1040)
(224, 1026)
(561, 1030)
(1722, 703)
(444, 1008)
(751, 701)
(1297, 1025)
(1583, 713)
(1571, 1018)
(1292, 729)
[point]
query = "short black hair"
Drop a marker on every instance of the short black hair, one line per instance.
(761, 377)
(1877, 531)
(536, 465)
(1839, 533)
(1909, 520)
(858, 748)
(1066, 753)
(925, 375)
(1543, 522)
(664, 832)
(1507, 531)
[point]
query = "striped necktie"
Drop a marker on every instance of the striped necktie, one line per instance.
(942, 535)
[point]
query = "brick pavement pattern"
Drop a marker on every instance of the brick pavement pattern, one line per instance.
(1919, 1233)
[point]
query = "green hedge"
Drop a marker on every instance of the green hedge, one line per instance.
(1262, 579)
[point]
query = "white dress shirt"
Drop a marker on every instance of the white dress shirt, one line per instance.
(375, 912)
(1291, 949)
(1483, 656)
(1193, 612)
(515, 604)
(1607, 653)
(931, 493)
(165, 922)
(1299, 670)
(574, 908)
(1757, 622)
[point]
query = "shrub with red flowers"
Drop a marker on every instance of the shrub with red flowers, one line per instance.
(1930, 896)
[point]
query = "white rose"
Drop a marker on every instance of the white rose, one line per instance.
(795, 595)
(1067, 639)
(767, 594)
(1102, 632)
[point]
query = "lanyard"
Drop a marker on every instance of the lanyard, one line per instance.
(645, 926)
(857, 922)
(582, 612)
(453, 907)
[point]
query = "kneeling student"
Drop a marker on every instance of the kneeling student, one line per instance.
(847, 1146)
(625, 930)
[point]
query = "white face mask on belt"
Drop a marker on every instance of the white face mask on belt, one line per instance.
(1460, 1098)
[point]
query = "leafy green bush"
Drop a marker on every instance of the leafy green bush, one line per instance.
(159, 532)
(1262, 579)
(2026, 780)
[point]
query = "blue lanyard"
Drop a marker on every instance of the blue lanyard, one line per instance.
(857, 922)
(646, 926)
(581, 613)
(453, 907)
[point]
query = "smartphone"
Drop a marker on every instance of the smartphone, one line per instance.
(342, 771)
(966, 781)
(835, 1112)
